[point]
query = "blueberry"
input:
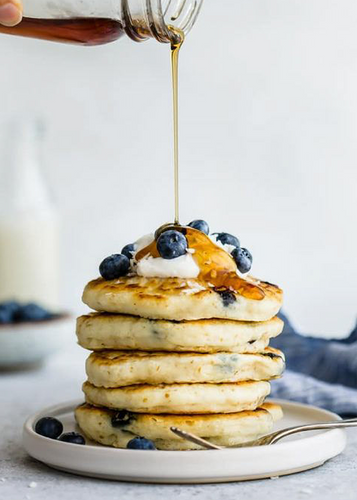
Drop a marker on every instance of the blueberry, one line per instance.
(5, 315)
(49, 427)
(129, 250)
(72, 437)
(243, 258)
(140, 443)
(32, 312)
(200, 225)
(114, 266)
(11, 305)
(163, 228)
(122, 419)
(272, 355)
(171, 244)
(227, 239)
(8, 311)
(227, 296)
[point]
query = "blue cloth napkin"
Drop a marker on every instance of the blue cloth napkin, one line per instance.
(319, 372)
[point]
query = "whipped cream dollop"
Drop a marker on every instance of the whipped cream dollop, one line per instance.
(143, 242)
(157, 267)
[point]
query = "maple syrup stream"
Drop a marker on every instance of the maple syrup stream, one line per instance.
(176, 45)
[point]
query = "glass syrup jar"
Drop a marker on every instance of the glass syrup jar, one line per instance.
(96, 22)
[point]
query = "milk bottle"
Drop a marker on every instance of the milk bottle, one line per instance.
(29, 239)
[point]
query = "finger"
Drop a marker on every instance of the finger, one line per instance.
(10, 12)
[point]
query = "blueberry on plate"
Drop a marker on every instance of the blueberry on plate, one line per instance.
(32, 312)
(227, 239)
(129, 250)
(243, 258)
(72, 437)
(115, 266)
(200, 225)
(8, 310)
(49, 427)
(140, 443)
(171, 244)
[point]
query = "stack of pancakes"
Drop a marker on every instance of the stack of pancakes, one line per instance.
(160, 360)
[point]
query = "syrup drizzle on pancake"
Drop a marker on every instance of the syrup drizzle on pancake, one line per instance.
(217, 266)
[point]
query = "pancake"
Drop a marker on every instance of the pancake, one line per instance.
(180, 398)
(116, 331)
(181, 299)
(123, 368)
(117, 428)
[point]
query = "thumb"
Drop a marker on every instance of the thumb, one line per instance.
(10, 12)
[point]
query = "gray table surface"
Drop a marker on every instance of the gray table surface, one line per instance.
(23, 393)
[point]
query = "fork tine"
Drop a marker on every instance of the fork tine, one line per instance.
(194, 439)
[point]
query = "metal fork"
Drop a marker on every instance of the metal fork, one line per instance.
(272, 438)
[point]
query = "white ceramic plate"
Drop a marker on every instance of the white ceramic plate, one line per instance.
(298, 453)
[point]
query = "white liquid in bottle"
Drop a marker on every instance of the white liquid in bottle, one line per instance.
(29, 239)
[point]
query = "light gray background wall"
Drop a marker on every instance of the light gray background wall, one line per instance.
(268, 143)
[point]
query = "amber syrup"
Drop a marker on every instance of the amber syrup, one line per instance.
(176, 45)
(78, 31)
